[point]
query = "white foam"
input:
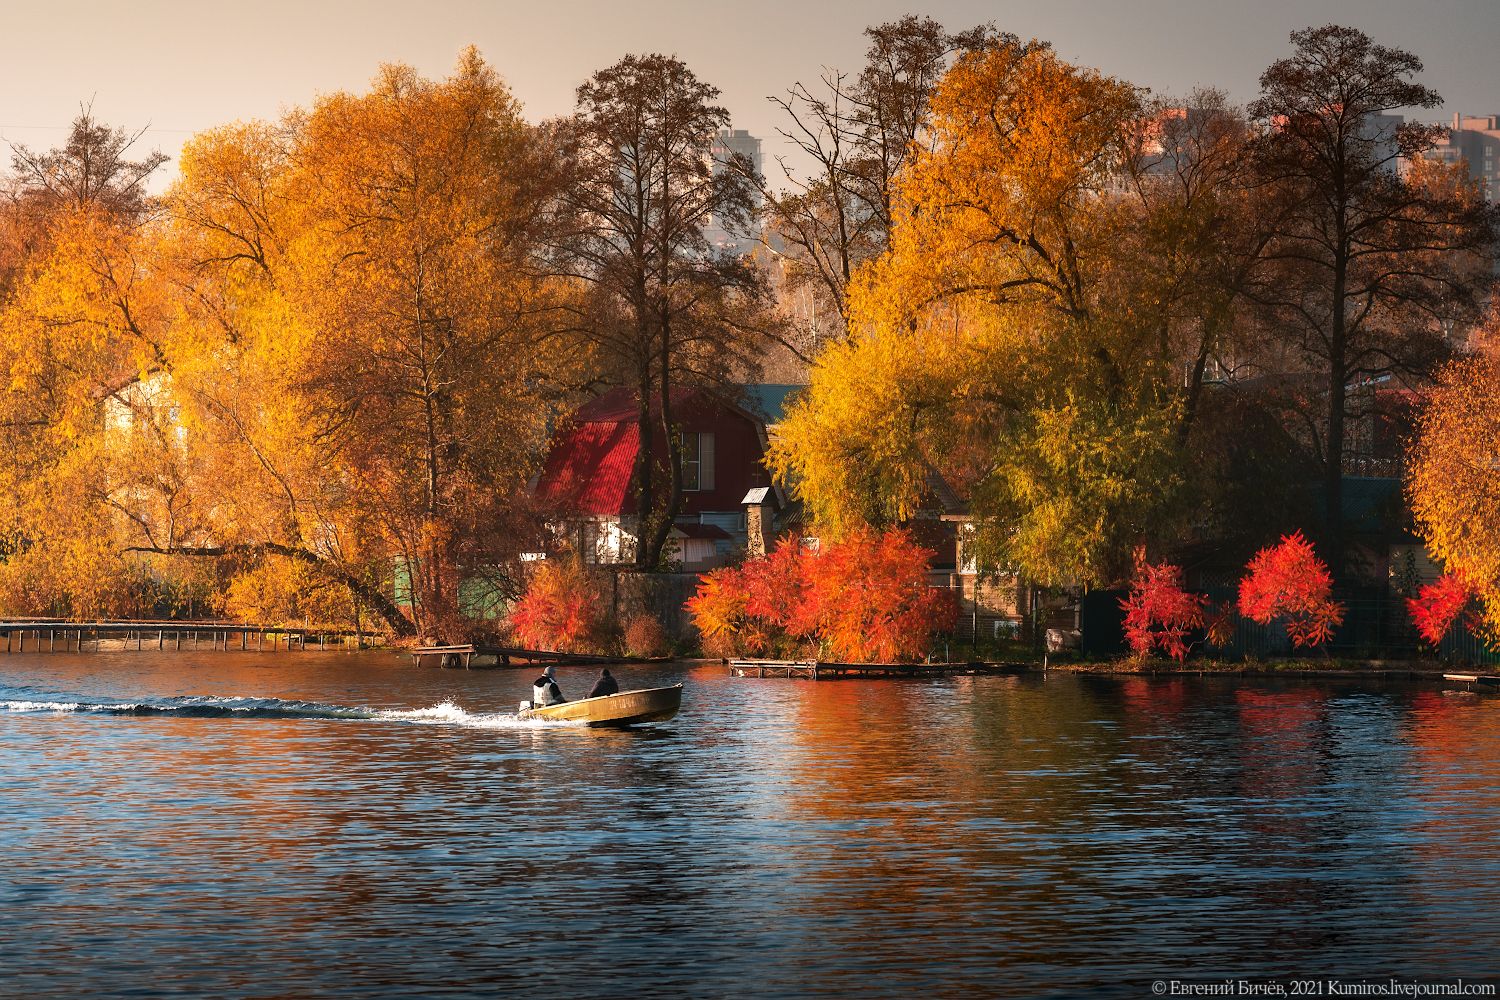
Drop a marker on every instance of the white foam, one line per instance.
(39, 706)
(444, 713)
(447, 713)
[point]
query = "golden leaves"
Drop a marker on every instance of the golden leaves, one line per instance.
(1454, 477)
(994, 342)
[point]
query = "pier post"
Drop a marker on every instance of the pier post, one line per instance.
(21, 642)
(177, 637)
(52, 640)
(161, 637)
(242, 640)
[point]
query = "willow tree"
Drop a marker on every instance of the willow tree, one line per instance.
(996, 341)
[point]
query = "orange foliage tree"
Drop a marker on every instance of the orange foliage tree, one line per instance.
(560, 610)
(1289, 580)
(865, 597)
(1159, 613)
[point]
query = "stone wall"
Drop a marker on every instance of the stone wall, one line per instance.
(660, 594)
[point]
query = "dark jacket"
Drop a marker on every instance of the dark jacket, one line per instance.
(603, 686)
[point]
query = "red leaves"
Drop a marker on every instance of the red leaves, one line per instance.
(865, 598)
(869, 599)
(559, 611)
(1438, 605)
(1289, 580)
(1159, 614)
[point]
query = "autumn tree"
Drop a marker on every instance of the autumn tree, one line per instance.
(1454, 476)
(328, 359)
(1159, 614)
(1438, 605)
(560, 609)
(863, 598)
(1370, 267)
(83, 333)
(994, 341)
(664, 307)
(858, 131)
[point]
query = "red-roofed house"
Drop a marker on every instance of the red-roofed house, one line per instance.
(587, 477)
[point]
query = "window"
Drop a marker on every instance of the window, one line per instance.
(698, 461)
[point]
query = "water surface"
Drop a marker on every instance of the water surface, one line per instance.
(311, 824)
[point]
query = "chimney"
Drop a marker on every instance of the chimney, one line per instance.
(758, 522)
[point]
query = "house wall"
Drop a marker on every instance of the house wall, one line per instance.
(738, 457)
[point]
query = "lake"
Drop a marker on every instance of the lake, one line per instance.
(331, 824)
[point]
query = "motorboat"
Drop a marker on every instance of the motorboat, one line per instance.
(625, 708)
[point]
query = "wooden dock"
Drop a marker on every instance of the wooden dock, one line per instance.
(481, 655)
(1477, 680)
(814, 670)
(51, 635)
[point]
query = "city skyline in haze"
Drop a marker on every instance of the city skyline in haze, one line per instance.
(167, 66)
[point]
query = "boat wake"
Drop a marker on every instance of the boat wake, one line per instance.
(442, 714)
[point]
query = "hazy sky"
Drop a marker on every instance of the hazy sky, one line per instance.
(181, 67)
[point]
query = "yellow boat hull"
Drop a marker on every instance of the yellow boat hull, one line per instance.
(624, 709)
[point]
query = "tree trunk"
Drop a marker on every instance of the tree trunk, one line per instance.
(661, 529)
(644, 473)
(1333, 472)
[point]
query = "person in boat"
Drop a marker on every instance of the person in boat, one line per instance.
(544, 690)
(604, 685)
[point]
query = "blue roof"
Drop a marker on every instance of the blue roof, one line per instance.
(769, 400)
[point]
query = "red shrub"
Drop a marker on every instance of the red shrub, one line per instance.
(1438, 605)
(861, 599)
(561, 609)
(1290, 580)
(1159, 614)
(870, 598)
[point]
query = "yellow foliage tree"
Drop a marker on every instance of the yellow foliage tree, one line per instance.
(997, 341)
(83, 337)
(328, 356)
(1454, 477)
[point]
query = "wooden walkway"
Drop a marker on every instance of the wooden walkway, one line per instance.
(480, 655)
(815, 670)
(47, 635)
(1478, 680)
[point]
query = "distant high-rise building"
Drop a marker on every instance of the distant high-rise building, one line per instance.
(728, 144)
(1474, 139)
(731, 142)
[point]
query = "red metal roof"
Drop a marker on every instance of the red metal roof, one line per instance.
(588, 470)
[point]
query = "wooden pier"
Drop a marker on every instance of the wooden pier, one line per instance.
(479, 655)
(47, 635)
(1489, 681)
(815, 670)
